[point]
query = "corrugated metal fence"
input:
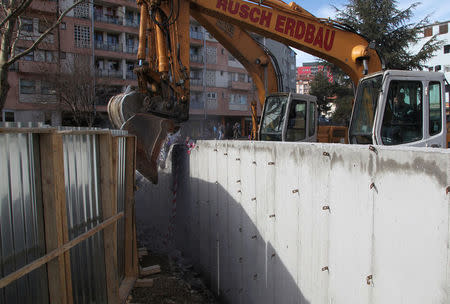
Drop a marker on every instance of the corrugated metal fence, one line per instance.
(22, 235)
(22, 211)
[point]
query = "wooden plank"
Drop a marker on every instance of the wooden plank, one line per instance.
(28, 130)
(84, 132)
(142, 252)
(125, 288)
(130, 235)
(54, 201)
(66, 256)
(57, 252)
(108, 189)
(150, 270)
(135, 255)
(143, 283)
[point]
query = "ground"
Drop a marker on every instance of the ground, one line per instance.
(176, 284)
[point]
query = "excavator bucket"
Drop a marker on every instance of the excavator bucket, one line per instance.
(151, 132)
(126, 111)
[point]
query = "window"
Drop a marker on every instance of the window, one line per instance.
(27, 57)
(402, 120)
(49, 57)
(428, 32)
(27, 86)
(62, 25)
(81, 10)
(211, 55)
(296, 126)
(312, 118)
(46, 89)
(27, 25)
(443, 28)
(435, 108)
(98, 37)
(273, 119)
(364, 110)
(238, 99)
(447, 49)
(63, 55)
(211, 95)
(43, 26)
(8, 116)
(113, 39)
(82, 36)
(39, 56)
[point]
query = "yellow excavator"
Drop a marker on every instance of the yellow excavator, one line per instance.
(391, 107)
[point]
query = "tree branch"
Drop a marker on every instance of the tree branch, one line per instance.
(44, 34)
(17, 12)
(16, 38)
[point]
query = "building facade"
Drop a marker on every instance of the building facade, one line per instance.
(221, 89)
(441, 61)
(107, 32)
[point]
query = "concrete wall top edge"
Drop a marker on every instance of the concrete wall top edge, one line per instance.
(325, 146)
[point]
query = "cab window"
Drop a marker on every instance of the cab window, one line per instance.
(273, 119)
(435, 108)
(364, 112)
(402, 119)
(296, 127)
(312, 118)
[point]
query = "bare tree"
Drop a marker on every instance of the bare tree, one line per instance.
(11, 30)
(75, 88)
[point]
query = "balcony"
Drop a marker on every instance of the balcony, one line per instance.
(239, 85)
(212, 104)
(131, 75)
(196, 58)
(131, 49)
(82, 44)
(196, 35)
(111, 47)
(14, 67)
(237, 107)
(108, 19)
(196, 82)
(116, 74)
(131, 23)
(196, 104)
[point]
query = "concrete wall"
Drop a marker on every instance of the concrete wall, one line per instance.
(306, 223)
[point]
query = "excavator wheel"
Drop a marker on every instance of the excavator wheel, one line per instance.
(150, 130)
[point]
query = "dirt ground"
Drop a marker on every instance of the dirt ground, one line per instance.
(176, 284)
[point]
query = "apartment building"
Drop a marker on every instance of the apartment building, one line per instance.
(106, 32)
(221, 89)
(306, 73)
(441, 61)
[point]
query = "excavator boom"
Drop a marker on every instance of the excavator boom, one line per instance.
(161, 102)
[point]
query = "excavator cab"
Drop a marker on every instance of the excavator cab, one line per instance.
(399, 108)
(289, 117)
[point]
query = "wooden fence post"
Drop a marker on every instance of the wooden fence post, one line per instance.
(131, 269)
(108, 189)
(55, 216)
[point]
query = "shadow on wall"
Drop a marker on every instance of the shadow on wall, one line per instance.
(214, 231)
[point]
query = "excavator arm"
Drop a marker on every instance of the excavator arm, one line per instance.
(162, 99)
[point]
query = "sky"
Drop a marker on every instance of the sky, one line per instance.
(439, 10)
